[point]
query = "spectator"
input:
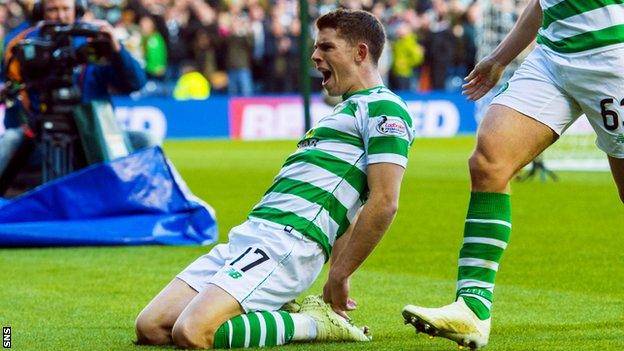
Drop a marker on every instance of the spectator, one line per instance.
(262, 36)
(408, 55)
(238, 41)
(259, 29)
(129, 34)
(204, 52)
(176, 21)
(440, 44)
(154, 49)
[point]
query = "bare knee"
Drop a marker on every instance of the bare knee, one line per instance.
(150, 332)
(187, 335)
(489, 173)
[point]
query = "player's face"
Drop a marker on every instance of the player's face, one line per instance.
(334, 58)
(63, 11)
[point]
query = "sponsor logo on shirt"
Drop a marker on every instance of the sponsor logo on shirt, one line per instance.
(308, 140)
(392, 126)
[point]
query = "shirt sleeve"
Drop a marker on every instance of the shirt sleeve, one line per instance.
(388, 133)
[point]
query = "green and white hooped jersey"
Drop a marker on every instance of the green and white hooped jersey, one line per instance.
(322, 185)
(570, 26)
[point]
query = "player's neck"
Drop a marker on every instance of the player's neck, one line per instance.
(366, 80)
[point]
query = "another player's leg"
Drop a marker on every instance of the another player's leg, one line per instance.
(617, 169)
(153, 325)
(507, 141)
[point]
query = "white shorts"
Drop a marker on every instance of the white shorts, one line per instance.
(262, 266)
(556, 89)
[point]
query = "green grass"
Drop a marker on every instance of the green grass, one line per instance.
(560, 286)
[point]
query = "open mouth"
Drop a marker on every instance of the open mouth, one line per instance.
(326, 75)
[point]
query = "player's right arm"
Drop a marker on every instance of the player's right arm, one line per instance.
(488, 71)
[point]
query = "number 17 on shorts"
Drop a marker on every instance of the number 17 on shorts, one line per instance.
(245, 272)
(257, 258)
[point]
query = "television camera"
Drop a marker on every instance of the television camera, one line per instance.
(50, 67)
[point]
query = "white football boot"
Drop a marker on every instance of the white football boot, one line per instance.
(331, 326)
(455, 322)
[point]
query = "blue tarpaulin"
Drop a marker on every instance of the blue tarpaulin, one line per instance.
(134, 200)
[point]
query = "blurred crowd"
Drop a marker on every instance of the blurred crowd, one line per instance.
(245, 47)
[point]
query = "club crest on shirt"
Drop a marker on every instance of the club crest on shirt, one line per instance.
(392, 126)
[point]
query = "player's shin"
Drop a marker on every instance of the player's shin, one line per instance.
(486, 233)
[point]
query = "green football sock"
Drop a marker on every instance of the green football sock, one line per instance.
(255, 329)
(486, 233)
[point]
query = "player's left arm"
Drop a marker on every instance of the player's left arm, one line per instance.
(384, 182)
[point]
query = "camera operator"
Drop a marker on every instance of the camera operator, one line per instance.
(122, 73)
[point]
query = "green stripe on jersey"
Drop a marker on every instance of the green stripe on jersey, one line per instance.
(350, 109)
(586, 41)
(388, 108)
(569, 8)
(300, 224)
(387, 145)
(350, 173)
(337, 211)
(324, 133)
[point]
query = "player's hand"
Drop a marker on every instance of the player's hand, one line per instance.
(336, 293)
(483, 77)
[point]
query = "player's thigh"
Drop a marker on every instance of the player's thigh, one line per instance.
(617, 169)
(164, 309)
(510, 139)
(596, 82)
(525, 117)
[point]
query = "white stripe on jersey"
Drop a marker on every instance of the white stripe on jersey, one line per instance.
(340, 122)
(345, 152)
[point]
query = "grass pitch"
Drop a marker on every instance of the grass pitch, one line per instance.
(560, 286)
